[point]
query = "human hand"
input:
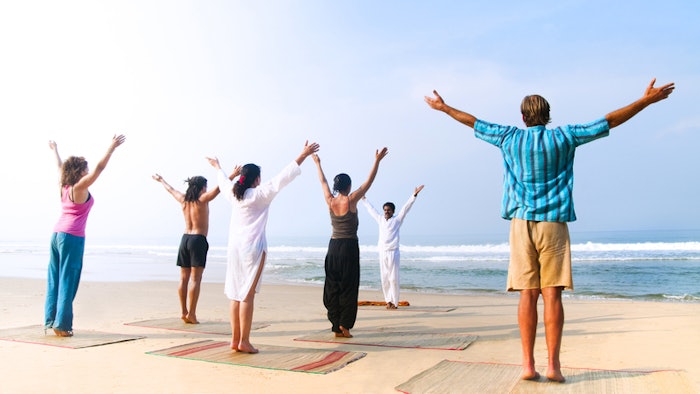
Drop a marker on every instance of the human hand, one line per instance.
(657, 94)
(436, 103)
(310, 149)
(317, 159)
(214, 161)
(418, 189)
(116, 141)
(380, 154)
(157, 177)
(52, 145)
(236, 171)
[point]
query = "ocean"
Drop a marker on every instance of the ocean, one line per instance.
(631, 265)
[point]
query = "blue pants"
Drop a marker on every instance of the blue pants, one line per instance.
(65, 266)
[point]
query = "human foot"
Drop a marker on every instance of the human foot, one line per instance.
(534, 376)
(190, 319)
(555, 376)
(62, 333)
(247, 348)
(390, 305)
(345, 332)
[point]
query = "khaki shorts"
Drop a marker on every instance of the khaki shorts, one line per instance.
(540, 255)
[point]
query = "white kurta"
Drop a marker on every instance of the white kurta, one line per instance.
(388, 245)
(246, 240)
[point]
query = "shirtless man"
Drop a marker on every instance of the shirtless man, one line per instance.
(192, 255)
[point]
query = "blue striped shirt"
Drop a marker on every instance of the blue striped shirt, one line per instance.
(539, 167)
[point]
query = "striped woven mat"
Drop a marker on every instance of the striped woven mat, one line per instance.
(270, 357)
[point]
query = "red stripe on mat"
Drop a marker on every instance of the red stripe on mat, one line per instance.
(185, 352)
(331, 358)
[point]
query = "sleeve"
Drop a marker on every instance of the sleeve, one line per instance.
(492, 133)
(225, 185)
(267, 191)
(371, 210)
(585, 133)
(407, 207)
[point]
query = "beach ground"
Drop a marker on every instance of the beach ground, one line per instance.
(598, 334)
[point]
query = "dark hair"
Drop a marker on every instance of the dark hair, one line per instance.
(249, 173)
(196, 184)
(535, 110)
(390, 205)
(341, 183)
(72, 170)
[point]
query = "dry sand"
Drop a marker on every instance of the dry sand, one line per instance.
(598, 334)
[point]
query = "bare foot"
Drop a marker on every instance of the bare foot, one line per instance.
(530, 375)
(339, 335)
(62, 333)
(190, 319)
(555, 376)
(345, 332)
(247, 348)
(390, 305)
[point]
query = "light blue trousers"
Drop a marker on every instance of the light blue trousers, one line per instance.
(65, 266)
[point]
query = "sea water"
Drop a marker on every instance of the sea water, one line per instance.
(639, 265)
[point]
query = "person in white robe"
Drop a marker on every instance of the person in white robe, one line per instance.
(388, 245)
(247, 244)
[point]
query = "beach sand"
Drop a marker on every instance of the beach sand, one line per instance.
(598, 334)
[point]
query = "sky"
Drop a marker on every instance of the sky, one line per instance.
(252, 81)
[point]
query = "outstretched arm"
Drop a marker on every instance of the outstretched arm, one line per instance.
(91, 177)
(173, 192)
(327, 195)
(362, 190)
(418, 189)
(307, 151)
(407, 207)
(651, 96)
(54, 148)
(438, 104)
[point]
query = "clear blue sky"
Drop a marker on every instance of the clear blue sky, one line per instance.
(251, 81)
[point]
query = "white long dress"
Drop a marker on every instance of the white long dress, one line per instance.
(246, 240)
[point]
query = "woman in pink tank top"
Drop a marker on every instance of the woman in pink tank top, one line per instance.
(68, 238)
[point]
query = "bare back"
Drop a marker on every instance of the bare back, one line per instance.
(196, 214)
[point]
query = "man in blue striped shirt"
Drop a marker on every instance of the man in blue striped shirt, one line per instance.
(538, 200)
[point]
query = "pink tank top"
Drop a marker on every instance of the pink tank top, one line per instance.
(73, 216)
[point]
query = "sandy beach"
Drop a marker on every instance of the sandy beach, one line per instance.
(608, 335)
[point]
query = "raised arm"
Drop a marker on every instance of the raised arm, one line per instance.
(651, 96)
(92, 176)
(54, 148)
(438, 104)
(179, 196)
(407, 206)
(327, 195)
(307, 151)
(362, 190)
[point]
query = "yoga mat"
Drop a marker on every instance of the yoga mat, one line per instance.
(270, 357)
(204, 327)
(80, 339)
(404, 306)
(416, 340)
(484, 378)
(380, 303)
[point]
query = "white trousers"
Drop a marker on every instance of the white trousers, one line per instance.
(389, 274)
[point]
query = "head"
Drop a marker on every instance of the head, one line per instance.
(250, 175)
(342, 184)
(72, 170)
(195, 187)
(389, 209)
(535, 110)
